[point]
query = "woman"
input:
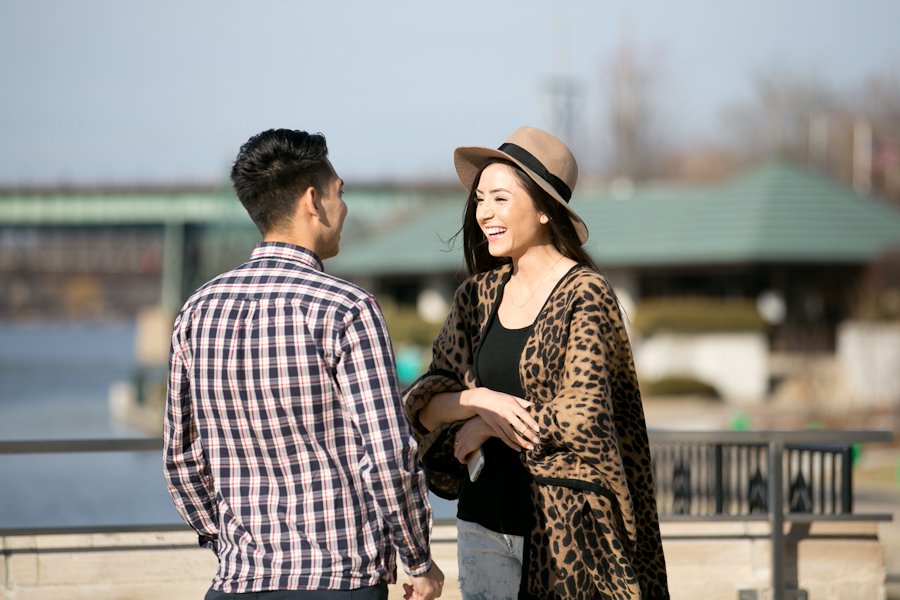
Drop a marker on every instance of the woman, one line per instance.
(533, 365)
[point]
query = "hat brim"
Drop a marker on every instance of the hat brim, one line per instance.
(469, 160)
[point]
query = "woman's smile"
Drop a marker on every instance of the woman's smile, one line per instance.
(494, 233)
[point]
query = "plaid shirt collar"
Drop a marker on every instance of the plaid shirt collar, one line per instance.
(288, 252)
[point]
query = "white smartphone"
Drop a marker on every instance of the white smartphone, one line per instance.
(475, 462)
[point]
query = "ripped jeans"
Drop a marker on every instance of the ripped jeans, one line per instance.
(490, 563)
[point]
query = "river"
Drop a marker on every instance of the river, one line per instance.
(54, 384)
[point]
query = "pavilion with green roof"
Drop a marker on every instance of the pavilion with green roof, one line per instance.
(776, 228)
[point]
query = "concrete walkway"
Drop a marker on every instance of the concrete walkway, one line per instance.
(878, 499)
(876, 489)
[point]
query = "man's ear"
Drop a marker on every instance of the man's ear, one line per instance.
(309, 202)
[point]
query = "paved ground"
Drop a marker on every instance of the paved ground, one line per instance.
(876, 499)
(877, 490)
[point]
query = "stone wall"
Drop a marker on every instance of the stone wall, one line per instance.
(126, 566)
(713, 561)
(138, 566)
(735, 364)
(868, 353)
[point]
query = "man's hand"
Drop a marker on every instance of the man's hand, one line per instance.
(425, 587)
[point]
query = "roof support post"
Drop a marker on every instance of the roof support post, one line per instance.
(173, 267)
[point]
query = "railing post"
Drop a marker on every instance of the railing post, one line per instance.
(720, 485)
(776, 516)
(847, 480)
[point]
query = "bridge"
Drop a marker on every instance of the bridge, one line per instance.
(170, 211)
(184, 237)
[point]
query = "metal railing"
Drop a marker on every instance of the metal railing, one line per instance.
(698, 475)
(730, 478)
(75, 446)
(80, 446)
(755, 475)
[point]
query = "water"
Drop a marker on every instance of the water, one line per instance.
(54, 384)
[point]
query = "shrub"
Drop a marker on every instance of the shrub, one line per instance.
(677, 386)
(695, 314)
(405, 325)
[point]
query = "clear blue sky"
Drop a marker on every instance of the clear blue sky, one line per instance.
(112, 91)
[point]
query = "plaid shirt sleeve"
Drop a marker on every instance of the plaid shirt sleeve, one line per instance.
(187, 473)
(367, 378)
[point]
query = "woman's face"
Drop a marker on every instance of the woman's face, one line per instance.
(506, 213)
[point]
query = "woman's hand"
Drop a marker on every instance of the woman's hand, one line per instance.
(470, 436)
(506, 416)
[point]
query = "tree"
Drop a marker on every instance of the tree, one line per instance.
(641, 147)
(879, 101)
(784, 119)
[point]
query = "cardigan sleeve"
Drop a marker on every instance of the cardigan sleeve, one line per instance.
(450, 371)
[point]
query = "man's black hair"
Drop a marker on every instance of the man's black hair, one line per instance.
(273, 169)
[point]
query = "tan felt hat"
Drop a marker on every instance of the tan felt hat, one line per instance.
(543, 157)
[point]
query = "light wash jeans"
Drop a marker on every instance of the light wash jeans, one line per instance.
(490, 563)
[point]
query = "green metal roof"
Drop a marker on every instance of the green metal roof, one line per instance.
(372, 207)
(776, 213)
(418, 245)
(121, 209)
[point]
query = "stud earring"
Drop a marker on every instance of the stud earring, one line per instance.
(544, 219)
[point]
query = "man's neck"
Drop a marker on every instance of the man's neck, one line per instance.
(294, 240)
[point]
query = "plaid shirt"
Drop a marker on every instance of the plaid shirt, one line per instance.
(286, 444)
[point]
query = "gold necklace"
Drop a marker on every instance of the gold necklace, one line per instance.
(536, 287)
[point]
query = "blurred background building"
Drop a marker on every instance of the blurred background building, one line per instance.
(776, 282)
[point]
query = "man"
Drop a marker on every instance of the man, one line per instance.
(286, 444)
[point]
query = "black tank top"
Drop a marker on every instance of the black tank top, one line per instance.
(501, 498)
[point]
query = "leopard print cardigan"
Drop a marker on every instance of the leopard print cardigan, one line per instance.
(597, 530)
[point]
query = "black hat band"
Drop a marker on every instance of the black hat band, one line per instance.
(526, 158)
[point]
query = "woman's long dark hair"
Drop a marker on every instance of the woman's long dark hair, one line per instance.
(562, 231)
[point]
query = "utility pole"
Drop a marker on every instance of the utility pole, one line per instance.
(564, 94)
(817, 154)
(862, 156)
(627, 114)
(562, 90)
